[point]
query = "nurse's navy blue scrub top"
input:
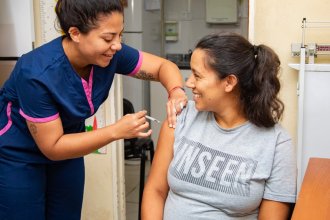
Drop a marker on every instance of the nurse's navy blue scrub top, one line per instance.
(43, 86)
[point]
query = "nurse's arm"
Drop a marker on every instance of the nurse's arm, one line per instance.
(155, 68)
(56, 145)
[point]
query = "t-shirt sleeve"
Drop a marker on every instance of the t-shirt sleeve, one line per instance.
(35, 100)
(186, 116)
(281, 185)
(129, 60)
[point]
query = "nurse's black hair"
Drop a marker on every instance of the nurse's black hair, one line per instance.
(256, 68)
(83, 14)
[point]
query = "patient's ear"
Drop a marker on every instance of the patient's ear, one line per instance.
(230, 83)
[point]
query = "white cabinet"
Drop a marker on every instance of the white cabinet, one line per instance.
(16, 33)
(16, 27)
(313, 114)
(221, 11)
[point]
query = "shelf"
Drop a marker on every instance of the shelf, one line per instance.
(321, 67)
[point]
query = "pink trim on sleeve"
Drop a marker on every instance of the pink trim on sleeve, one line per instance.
(88, 88)
(9, 123)
(138, 65)
(47, 119)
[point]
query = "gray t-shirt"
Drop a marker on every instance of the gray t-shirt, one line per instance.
(224, 174)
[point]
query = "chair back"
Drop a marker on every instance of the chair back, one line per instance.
(128, 107)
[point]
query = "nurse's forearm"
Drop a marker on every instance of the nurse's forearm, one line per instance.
(170, 76)
(81, 144)
(56, 145)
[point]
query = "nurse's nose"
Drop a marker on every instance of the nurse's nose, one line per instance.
(116, 46)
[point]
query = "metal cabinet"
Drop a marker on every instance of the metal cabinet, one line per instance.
(313, 114)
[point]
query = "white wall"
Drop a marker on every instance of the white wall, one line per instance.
(151, 41)
(277, 23)
(193, 27)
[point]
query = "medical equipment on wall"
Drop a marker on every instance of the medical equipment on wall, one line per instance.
(313, 92)
(310, 50)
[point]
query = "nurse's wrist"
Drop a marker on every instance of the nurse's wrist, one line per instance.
(174, 89)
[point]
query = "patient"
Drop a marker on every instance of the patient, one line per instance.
(228, 157)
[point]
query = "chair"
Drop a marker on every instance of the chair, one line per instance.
(137, 148)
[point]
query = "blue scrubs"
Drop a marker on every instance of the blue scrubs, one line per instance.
(42, 87)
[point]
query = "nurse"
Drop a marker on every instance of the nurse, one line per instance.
(50, 93)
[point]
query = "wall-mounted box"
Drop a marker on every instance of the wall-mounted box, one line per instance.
(221, 11)
(171, 30)
(151, 5)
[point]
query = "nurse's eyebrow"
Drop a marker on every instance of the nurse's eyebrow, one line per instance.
(113, 33)
(109, 33)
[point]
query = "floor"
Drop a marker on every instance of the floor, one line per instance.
(132, 178)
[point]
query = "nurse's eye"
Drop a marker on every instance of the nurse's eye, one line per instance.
(108, 40)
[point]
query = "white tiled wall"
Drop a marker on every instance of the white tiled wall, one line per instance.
(190, 15)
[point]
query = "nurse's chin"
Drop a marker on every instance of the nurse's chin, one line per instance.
(104, 63)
